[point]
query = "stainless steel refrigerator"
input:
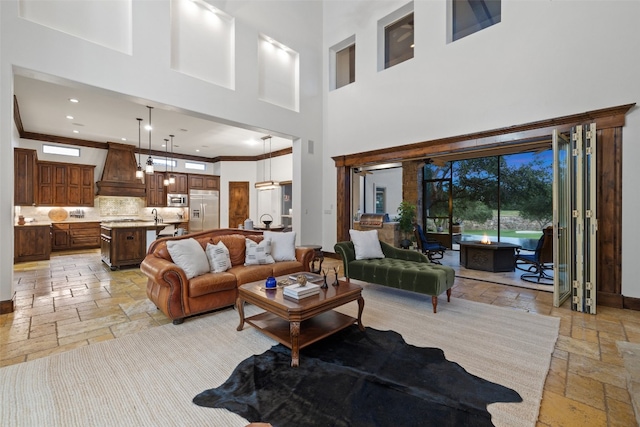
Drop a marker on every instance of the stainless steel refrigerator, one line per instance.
(204, 210)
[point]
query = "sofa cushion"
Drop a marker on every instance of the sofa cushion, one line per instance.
(251, 273)
(366, 244)
(236, 245)
(218, 256)
(211, 282)
(283, 268)
(189, 255)
(283, 245)
(258, 253)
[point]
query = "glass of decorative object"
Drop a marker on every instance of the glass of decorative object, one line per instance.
(271, 282)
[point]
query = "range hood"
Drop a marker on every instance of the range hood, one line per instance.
(119, 174)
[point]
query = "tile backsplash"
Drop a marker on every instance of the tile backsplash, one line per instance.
(105, 208)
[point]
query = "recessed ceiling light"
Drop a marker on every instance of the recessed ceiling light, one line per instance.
(197, 151)
(148, 127)
(70, 117)
(124, 139)
(75, 101)
(76, 131)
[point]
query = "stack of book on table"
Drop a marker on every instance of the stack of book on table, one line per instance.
(298, 292)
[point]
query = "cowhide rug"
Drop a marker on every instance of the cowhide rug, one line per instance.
(354, 378)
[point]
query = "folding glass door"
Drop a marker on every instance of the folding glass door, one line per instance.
(574, 217)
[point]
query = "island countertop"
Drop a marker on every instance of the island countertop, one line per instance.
(141, 224)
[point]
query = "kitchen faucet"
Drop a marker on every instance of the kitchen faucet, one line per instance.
(154, 211)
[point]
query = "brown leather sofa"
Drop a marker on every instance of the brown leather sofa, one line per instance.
(178, 297)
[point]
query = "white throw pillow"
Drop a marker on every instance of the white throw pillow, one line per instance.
(218, 256)
(283, 245)
(258, 253)
(189, 255)
(366, 244)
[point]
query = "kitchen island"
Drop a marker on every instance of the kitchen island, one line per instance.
(125, 242)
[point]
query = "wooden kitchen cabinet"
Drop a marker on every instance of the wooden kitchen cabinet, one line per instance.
(80, 185)
(156, 196)
(25, 176)
(204, 182)
(181, 186)
(65, 184)
(31, 243)
(75, 235)
(59, 236)
(52, 184)
(123, 246)
(84, 235)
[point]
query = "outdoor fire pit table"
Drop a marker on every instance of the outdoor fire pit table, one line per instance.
(492, 256)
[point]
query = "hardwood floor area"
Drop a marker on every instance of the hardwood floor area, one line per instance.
(75, 300)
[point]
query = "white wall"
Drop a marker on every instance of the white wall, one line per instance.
(545, 59)
(146, 74)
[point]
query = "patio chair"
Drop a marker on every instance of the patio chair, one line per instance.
(432, 248)
(538, 264)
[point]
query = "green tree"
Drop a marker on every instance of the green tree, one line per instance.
(528, 188)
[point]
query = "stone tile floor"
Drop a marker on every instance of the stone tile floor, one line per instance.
(75, 300)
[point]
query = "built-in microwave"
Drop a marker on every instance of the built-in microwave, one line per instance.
(177, 200)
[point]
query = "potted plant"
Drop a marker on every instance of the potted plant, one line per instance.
(406, 218)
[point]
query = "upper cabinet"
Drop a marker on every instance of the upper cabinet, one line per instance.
(51, 183)
(65, 184)
(156, 196)
(25, 175)
(204, 182)
(181, 186)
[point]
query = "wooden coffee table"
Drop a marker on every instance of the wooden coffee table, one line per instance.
(299, 323)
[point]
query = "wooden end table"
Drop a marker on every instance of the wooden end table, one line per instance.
(299, 323)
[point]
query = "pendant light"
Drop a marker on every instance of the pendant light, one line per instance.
(149, 167)
(165, 182)
(139, 171)
(270, 184)
(172, 178)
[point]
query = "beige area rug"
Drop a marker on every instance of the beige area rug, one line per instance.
(150, 378)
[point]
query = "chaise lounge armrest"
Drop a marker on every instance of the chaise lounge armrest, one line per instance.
(397, 253)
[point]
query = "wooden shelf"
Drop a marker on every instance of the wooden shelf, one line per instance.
(311, 330)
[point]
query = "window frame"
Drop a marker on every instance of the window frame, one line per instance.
(333, 60)
(389, 20)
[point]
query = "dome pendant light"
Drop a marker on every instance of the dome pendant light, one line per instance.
(139, 171)
(149, 167)
(165, 181)
(172, 177)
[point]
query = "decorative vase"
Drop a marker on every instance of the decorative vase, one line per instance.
(271, 282)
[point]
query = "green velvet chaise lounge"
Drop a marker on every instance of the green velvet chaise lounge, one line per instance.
(400, 268)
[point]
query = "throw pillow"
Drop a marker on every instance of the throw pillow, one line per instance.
(366, 244)
(258, 253)
(189, 255)
(283, 245)
(218, 256)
